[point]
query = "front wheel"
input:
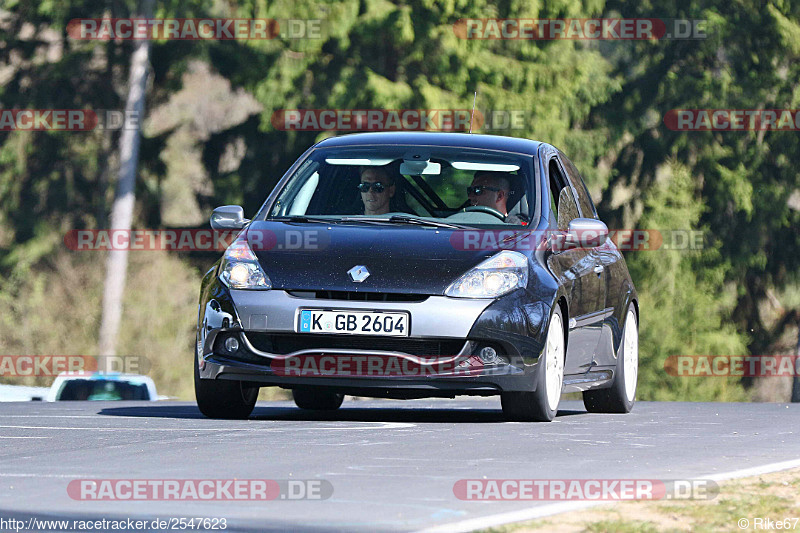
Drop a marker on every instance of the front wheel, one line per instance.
(620, 397)
(222, 398)
(541, 405)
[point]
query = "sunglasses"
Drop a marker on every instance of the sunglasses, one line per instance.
(477, 190)
(376, 186)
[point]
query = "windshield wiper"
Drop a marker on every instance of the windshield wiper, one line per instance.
(402, 219)
(405, 219)
(303, 218)
(395, 219)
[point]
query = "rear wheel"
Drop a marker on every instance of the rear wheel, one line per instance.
(541, 405)
(620, 397)
(317, 400)
(218, 398)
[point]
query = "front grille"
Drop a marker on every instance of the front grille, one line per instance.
(287, 343)
(359, 296)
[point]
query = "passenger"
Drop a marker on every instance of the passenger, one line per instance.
(377, 188)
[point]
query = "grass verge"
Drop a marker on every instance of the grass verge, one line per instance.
(774, 497)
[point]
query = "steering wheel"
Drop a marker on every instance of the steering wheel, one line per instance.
(485, 209)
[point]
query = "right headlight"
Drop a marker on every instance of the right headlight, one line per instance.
(240, 268)
(498, 275)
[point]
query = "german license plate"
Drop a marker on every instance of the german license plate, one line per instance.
(391, 324)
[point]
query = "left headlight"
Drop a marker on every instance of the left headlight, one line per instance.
(240, 268)
(498, 275)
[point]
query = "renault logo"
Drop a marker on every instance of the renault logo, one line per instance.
(358, 273)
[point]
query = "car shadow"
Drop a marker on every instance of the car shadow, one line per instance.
(431, 415)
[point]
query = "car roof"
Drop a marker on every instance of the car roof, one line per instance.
(463, 140)
(105, 376)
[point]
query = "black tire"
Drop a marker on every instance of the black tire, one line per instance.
(617, 399)
(535, 406)
(317, 400)
(226, 399)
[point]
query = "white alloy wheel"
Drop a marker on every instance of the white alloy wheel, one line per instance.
(554, 361)
(631, 355)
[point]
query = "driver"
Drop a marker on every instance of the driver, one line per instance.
(376, 188)
(490, 189)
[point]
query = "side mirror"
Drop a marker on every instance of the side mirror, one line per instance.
(228, 217)
(587, 233)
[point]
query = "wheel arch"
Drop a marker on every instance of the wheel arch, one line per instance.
(564, 306)
(627, 297)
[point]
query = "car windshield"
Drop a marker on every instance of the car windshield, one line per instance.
(409, 184)
(96, 389)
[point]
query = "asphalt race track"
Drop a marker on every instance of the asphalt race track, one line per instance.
(392, 464)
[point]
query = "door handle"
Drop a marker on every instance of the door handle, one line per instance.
(598, 269)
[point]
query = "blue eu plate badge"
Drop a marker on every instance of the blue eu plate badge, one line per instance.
(305, 321)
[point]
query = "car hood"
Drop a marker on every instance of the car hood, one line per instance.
(400, 258)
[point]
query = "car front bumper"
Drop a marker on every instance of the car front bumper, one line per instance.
(438, 358)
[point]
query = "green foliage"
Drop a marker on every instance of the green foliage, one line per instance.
(749, 60)
(682, 312)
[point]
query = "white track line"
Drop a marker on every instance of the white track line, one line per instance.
(754, 471)
(523, 515)
(95, 428)
(252, 429)
(86, 416)
(70, 476)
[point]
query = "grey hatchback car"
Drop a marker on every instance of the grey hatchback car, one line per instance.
(410, 265)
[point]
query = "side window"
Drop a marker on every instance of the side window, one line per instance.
(555, 187)
(584, 200)
(561, 200)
